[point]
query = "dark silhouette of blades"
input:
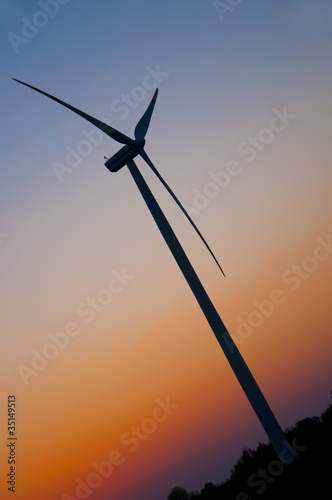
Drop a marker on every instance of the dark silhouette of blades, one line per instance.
(107, 129)
(177, 201)
(143, 125)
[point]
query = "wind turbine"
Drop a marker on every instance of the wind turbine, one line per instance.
(125, 156)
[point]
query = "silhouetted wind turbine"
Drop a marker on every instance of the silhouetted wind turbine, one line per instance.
(125, 156)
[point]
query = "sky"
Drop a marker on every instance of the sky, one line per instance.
(121, 389)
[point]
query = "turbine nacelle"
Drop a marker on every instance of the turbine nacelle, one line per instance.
(125, 154)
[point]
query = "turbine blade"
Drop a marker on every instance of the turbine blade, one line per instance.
(177, 201)
(112, 132)
(143, 125)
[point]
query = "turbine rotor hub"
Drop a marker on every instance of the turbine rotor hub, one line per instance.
(139, 144)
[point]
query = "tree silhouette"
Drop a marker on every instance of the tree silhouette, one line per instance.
(178, 493)
(305, 477)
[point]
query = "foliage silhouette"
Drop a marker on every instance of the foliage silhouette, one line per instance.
(259, 475)
(178, 493)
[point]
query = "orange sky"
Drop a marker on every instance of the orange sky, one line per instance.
(94, 395)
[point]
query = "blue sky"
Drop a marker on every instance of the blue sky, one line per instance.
(258, 55)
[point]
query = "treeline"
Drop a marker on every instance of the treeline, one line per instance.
(259, 474)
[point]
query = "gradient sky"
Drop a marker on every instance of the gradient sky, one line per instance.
(61, 243)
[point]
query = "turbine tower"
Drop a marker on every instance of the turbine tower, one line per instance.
(125, 156)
